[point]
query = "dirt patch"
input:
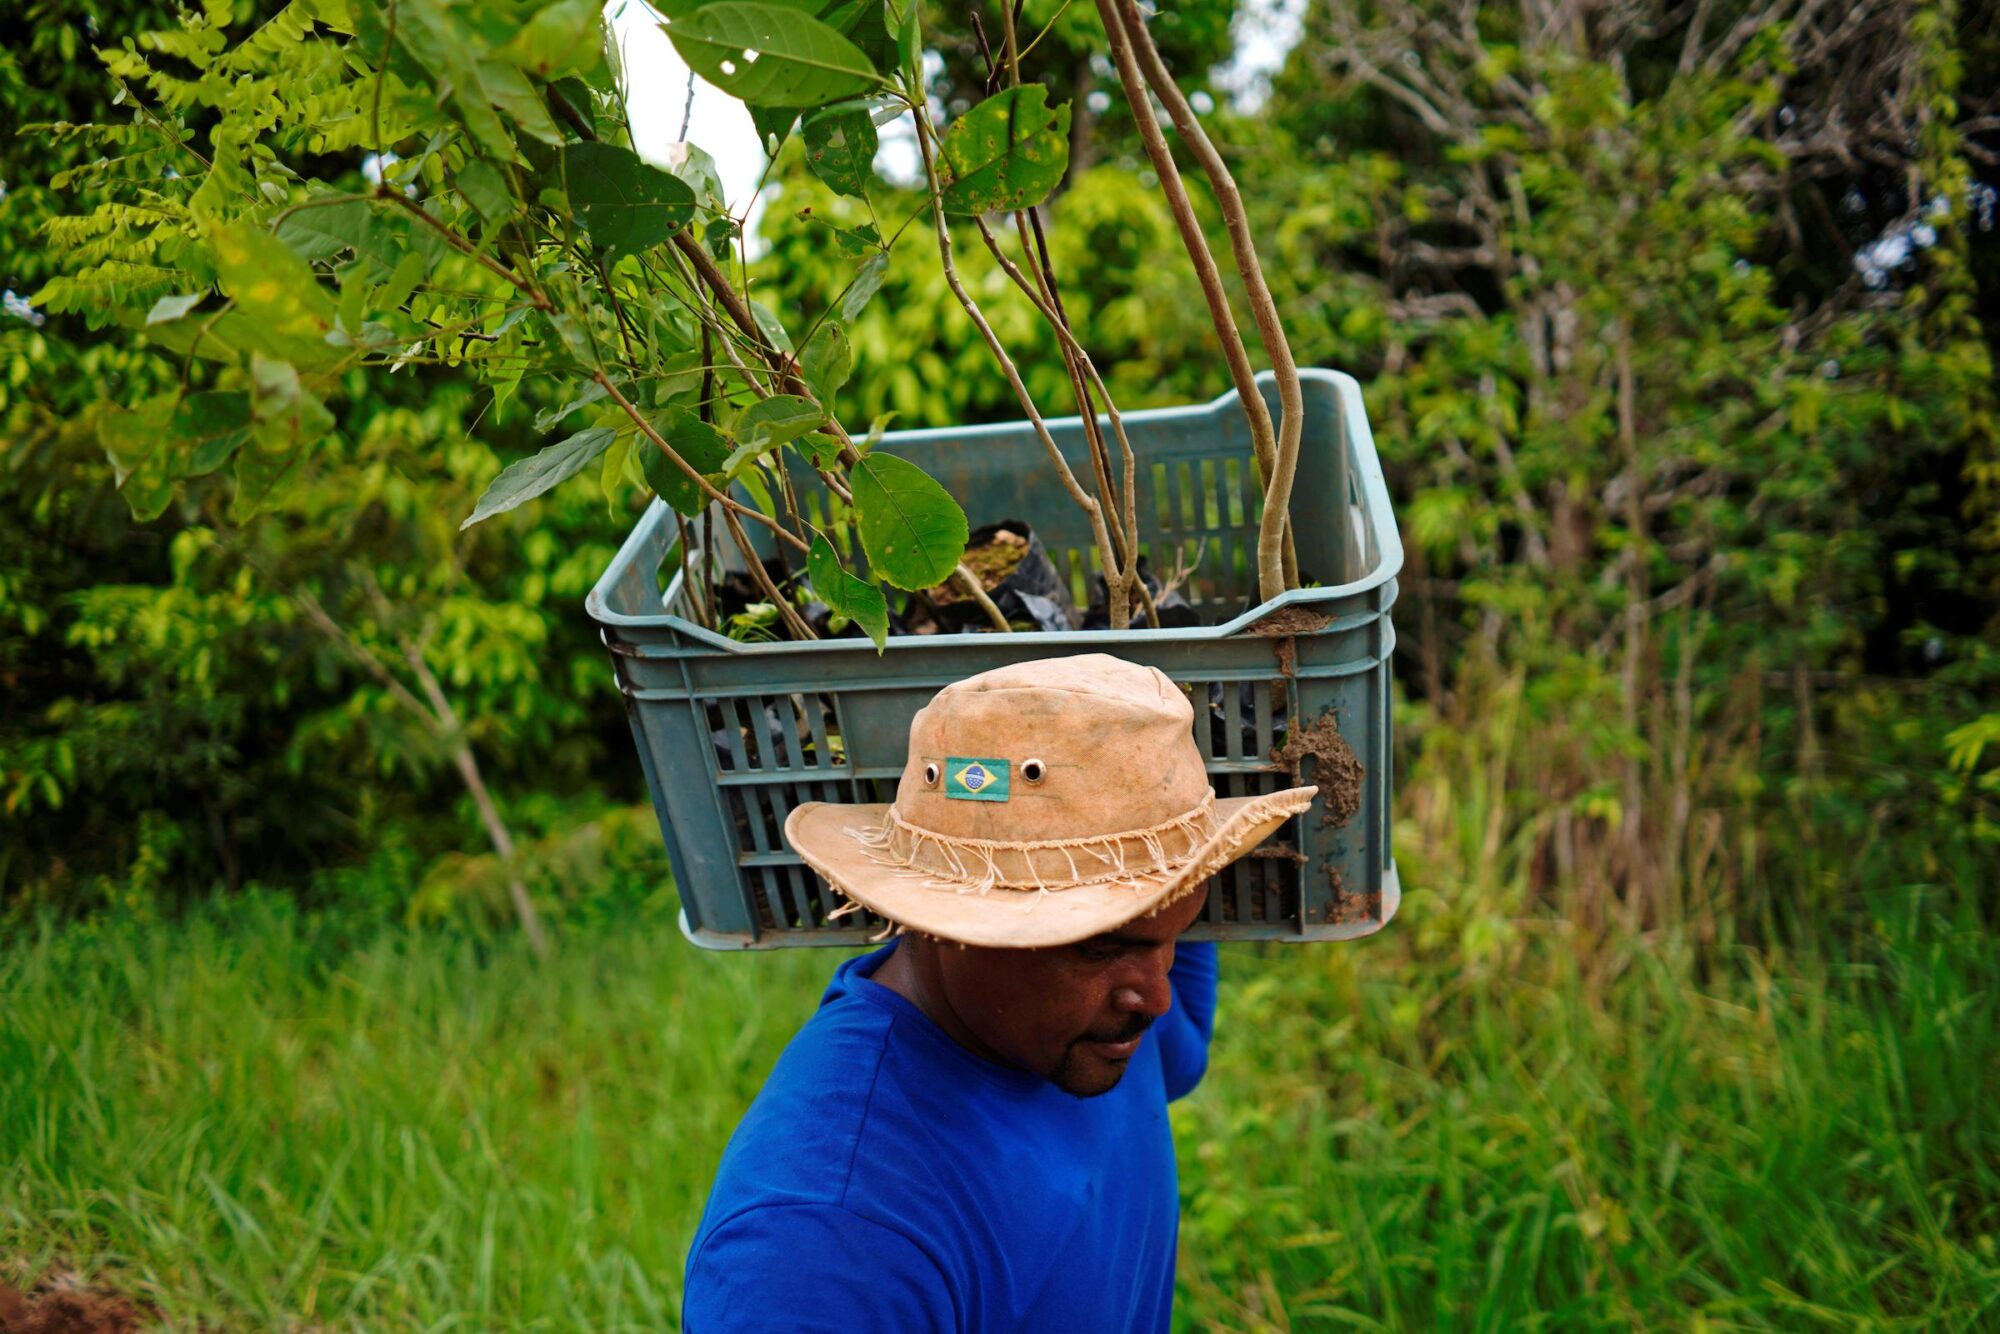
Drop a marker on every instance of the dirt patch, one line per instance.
(1017, 573)
(62, 1304)
(1336, 769)
(1286, 650)
(1279, 852)
(993, 560)
(1345, 907)
(1290, 621)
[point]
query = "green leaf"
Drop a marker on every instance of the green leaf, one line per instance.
(319, 233)
(705, 449)
(283, 419)
(209, 427)
(561, 40)
(742, 457)
(184, 338)
(827, 361)
(259, 475)
(616, 460)
(821, 448)
(858, 599)
(752, 481)
(911, 528)
(766, 425)
(400, 283)
(774, 125)
(773, 328)
(626, 204)
(173, 307)
(283, 416)
(1007, 153)
(770, 55)
(590, 393)
(840, 149)
(876, 429)
(510, 90)
(576, 92)
(527, 478)
(855, 241)
(909, 41)
(719, 235)
(275, 293)
(142, 470)
(866, 24)
(504, 386)
(778, 420)
(485, 189)
(442, 43)
(867, 281)
(227, 178)
(694, 166)
(678, 374)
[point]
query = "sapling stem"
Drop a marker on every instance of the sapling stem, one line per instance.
(1271, 573)
(977, 592)
(793, 621)
(689, 586)
(1037, 294)
(702, 483)
(1263, 308)
(1092, 510)
(1084, 377)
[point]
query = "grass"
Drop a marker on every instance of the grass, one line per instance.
(268, 1121)
(262, 1123)
(1563, 1140)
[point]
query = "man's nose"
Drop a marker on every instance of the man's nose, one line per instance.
(1145, 990)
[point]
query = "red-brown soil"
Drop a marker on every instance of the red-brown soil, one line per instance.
(62, 1304)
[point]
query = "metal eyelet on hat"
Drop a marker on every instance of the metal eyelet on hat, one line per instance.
(1034, 771)
(930, 775)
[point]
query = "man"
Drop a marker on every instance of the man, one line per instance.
(971, 1133)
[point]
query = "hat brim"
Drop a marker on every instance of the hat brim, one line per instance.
(1018, 919)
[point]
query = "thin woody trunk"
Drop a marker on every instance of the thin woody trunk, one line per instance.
(1275, 571)
(462, 758)
(503, 846)
(441, 721)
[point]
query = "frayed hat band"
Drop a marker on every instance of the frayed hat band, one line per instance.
(977, 865)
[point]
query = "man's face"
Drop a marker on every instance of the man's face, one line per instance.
(1071, 1012)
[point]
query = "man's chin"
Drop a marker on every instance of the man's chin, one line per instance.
(1086, 1077)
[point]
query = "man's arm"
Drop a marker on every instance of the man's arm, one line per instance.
(1184, 1030)
(812, 1269)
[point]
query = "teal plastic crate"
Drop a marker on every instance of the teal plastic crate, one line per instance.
(733, 735)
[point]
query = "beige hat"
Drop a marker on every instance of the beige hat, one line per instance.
(1041, 804)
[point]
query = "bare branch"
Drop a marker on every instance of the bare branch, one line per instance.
(1276, 525)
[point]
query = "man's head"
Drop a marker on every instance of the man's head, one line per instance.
(1072, 1013)
(1040, 804)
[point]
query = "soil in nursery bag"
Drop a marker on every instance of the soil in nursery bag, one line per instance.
(1015, 570)
(738, 592)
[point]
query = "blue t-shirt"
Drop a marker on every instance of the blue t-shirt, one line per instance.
(886, 1178)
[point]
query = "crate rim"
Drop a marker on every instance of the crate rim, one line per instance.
(1374, 496)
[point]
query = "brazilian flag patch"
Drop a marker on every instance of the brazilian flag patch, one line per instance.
(975, 780)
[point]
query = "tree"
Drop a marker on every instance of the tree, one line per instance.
(1671, 444)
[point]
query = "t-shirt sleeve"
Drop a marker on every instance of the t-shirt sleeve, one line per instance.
(1186, 1028)
(812, 1269)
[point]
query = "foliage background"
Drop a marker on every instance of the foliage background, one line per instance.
(1678, 334)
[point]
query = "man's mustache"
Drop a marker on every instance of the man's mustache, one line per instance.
(1140, 1023)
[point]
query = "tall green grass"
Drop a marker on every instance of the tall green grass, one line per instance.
(270, 1120)
(1554, 1139)
(262, 1122)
